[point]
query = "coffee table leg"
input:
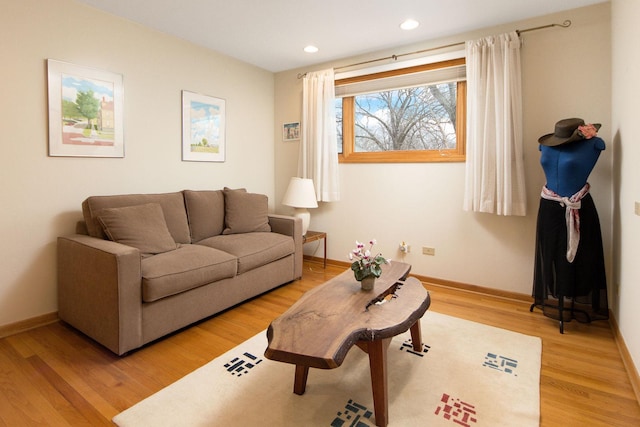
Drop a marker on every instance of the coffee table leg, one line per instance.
(416, 336)
(300, 382)
(378, 366)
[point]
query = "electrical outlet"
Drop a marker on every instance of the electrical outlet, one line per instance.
(428, 251)
(404, 248)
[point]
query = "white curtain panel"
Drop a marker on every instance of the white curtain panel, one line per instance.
(494, 181)
(318, 148)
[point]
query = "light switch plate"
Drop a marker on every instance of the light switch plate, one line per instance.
(428, 251)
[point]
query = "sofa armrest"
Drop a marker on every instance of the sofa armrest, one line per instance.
(290, 226)
(99, 290)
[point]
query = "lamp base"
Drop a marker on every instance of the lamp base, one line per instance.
(305, 216)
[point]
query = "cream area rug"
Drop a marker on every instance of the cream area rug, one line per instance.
(467, 374)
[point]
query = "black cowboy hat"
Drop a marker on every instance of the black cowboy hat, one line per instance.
(566, 131)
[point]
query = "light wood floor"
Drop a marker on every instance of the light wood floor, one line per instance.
(53, 375)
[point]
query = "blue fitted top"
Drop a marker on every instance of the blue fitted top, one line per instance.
(568, 166)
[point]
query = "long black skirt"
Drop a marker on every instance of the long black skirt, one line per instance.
(581, 284)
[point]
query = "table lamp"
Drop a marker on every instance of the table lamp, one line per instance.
(301, 195)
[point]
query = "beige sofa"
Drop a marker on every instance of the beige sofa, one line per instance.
(145, 265)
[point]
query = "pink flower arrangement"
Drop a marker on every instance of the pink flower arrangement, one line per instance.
(587, 131)
(364, 263)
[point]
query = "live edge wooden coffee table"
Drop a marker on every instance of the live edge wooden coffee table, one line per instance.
(321, 327)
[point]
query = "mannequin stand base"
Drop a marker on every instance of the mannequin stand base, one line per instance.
(563, 312)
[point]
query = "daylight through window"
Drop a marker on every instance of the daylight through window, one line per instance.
(415, 114)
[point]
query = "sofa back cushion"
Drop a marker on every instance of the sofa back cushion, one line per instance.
(140, 226)
(245, 212)
(206, 213)
(172, 205)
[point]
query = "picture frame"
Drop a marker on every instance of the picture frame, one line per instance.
(85, 106)
(203, 128)
(291, 131)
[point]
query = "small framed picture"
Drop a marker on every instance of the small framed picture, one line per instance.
(203, 128)
(85, 111)
(291, 131)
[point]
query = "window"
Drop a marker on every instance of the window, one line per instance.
(414, 114)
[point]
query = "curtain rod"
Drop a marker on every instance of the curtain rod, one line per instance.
(565, 24)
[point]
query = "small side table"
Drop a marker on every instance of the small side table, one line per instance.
(312, 236)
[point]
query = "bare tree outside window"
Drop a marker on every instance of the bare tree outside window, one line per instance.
(408, 115)
(339, 120)
(418, 118)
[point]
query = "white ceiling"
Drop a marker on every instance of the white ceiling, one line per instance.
(272, 33)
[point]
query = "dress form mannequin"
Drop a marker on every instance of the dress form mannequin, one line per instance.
(567, 159)
(567, 166)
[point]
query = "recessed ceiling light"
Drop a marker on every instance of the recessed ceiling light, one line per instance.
(409, 24)
(311, 49)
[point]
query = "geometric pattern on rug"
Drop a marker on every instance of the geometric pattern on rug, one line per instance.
(240, 366)
(408, 347)
(467, 374)
(457, 411)
(353, 415)
(501, 363)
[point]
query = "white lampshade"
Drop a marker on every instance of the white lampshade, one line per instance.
(301, 195)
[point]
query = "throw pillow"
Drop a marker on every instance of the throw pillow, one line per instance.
(206, 213)
(140, 226)
(245, 212)
(226, 189)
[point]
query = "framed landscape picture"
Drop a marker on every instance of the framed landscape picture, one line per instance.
(85, 111)
(203, 128)
(291, 131)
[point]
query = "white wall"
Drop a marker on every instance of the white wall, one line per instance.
(566, 73)
(41, 195)
(626, 190)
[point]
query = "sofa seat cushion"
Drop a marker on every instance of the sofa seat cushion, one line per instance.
(253, 250)
(187, 267)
